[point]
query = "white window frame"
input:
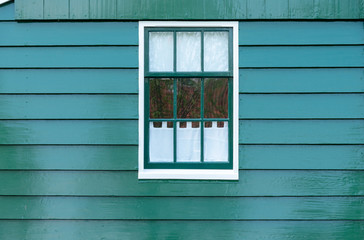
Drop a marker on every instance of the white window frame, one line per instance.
(197, 174)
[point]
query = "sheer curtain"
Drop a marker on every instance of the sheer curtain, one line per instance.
(216, 143)
(160, 143)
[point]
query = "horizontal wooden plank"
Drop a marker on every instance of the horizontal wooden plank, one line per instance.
(68, 57)
(126, 183)
(237, 208)
(69, 157)
(300, 33)
(195, 10)
(301, 157)
(25, 157)
(68, 132)
(301, 80)
(302, 131)
(68, 80)
(183, 230)
(292, 106)
(68, 33)
(7, 12)
(302, 56)
(125, 132)
(68, 107)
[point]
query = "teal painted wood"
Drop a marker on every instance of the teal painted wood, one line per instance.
(29, 9)
(79, 9)
(183, 230)
(252, 106)
(68, 81)
(300, 33)
(69, 157)
(58, 9)
(68, 33)
(301, 132)
(173, 208)
(125, 131)
(7, 12)
(301, 157)
(68, 57)
(125, 183)
(73, 106)
(305, 106)
(318, 80)
(302, 56)
(204, 10)
(29, 157)
(69, 132)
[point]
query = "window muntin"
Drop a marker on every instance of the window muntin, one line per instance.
(189, 106)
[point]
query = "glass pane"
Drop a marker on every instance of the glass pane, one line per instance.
(188, 98)
(188, 143)
(216, 142)
(161, 98)
(216, 98)
(161, 142)
(188, 51)
(216, 51)
(161, 51)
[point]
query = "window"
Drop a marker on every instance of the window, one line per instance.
(188, 100)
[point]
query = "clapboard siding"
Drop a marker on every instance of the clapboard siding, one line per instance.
(188, 9)
(7, 12)
(122, 106)
(125, 132)
(212, 208)
(184, 230)
(73, 106)
(84, 157)
(300, 33)
(301, 56)
(68, 81)
(83, 33)
(125, 183)
(306, 80)
(69, 57)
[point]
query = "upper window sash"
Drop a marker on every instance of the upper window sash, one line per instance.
(174, 72)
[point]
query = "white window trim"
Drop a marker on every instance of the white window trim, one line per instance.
(197, 174)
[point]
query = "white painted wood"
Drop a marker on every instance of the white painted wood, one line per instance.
(198, 174)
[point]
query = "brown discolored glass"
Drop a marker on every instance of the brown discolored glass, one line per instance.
(161, 98)
(188, 98)
(216, 98)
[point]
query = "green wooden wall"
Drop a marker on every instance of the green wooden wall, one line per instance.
(68, 137)
(189, 9)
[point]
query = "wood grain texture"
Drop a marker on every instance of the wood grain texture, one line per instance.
(56, 9)
(125, 183)
(300, 33)
(43, 157)
(73, 107)
(301, 56)
(79, 9)
(310, 106)
(69, 57)
(211, 10)
(311, 80)
(68, 81)
(69, 132)
(29, 9)
(301, 132)
(169, 208)
(183, 230)
(68, 33)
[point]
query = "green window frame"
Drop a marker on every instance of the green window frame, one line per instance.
(177, 76)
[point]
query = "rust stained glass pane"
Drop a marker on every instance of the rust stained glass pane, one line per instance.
(161, 98)
(188, 98)
(216, 98)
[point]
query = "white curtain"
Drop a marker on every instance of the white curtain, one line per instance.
(160, 143)
(188, 143)
(216, 144)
